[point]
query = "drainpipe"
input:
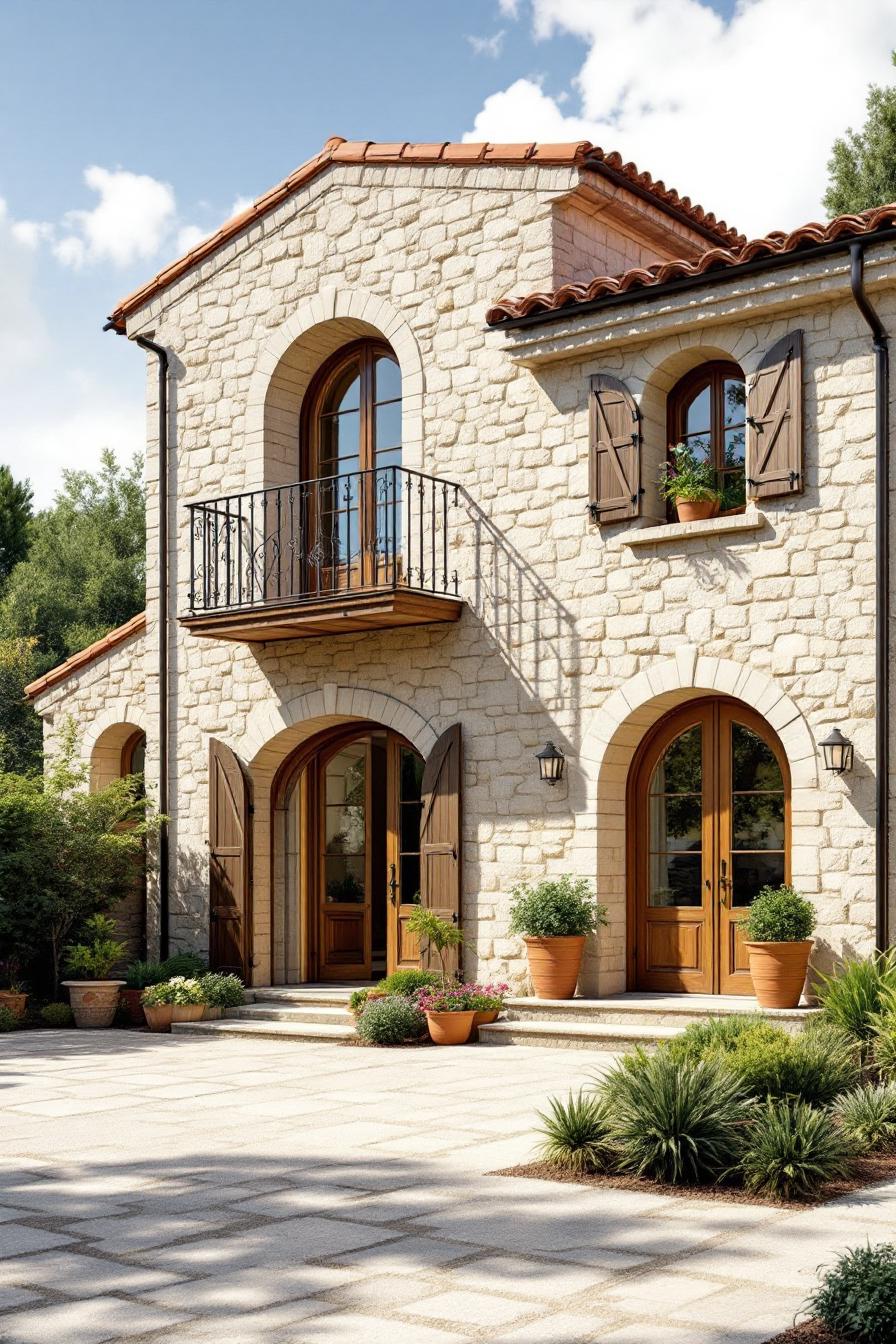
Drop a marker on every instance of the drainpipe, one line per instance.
(164, 865)
(880, 342)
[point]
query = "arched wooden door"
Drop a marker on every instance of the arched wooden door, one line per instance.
(708, 826)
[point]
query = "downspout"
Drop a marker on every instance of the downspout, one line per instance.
(164, 864)
(880, 342)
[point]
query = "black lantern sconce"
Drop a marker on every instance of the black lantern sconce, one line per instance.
(550, 763)
(837, 751)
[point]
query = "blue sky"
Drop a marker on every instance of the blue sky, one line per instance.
(185, 107)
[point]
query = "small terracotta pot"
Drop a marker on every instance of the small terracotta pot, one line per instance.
(693, 510)
(158, 1018)
(554, 965)
(778, 972)
(482, 1019)
(14, 1002)
(130, 1002)
(187, 1012)
(94, 1002)
(450, 1028)
(212, 1014)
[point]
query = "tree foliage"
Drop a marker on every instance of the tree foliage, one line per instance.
(20, 729)
(862, 166)
(15, 521)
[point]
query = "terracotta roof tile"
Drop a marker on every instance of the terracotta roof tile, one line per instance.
(85, 656)
(714, 259)
(579, 154)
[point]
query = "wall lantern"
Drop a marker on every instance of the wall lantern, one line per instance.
(550, 763)
(837, 751)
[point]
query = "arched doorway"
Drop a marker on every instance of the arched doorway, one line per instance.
(708, 825)
(347, 813)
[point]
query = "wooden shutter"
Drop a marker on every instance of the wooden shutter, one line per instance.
(440, 838)
(229, 837)
(775, 421)
(615, 466)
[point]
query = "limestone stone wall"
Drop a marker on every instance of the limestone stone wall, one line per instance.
(573, 632)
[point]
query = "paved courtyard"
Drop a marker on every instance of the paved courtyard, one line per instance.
(159, 1188)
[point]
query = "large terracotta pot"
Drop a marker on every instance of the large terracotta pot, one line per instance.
(450, 1028)
(187, 1012)
(554, 965)
(130, 1002)
(94, 1002)
(158, 1018)
(693, 510)
(778, 972)
(14, 1002)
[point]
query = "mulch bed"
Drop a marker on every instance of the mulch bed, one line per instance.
(866, 1171)
(810, 1332)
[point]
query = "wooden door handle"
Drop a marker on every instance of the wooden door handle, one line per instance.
(393, 884)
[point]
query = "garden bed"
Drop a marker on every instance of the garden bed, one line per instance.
(810, 1332)
(867, 1171)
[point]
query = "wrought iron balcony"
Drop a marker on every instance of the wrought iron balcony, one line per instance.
(335, 554)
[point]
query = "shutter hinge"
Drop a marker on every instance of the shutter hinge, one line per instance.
(794, 477)
(754, 424)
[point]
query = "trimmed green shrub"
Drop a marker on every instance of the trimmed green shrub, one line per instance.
(94, 958)
(357, 1000)
(791, 1149)
(187, 964)
(222, 991)
(392, 1021)
(854, 996)
(559, 907)
(675, 1120)
(857, 1297)
(8, 1019)
(576, 1134)
(57, 1015)
(407, 982)
(142, 974)
(779, 915)
(718, 1033)
(867, 1116)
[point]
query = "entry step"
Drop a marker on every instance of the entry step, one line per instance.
(575, 1035)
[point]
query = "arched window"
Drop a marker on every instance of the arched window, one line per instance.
(707, 410)
(351, 449)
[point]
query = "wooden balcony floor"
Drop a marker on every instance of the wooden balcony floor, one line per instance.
(337, 614)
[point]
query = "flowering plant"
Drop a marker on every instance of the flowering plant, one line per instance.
(221, 991)
(487, 998)
(469, 998)
(177, 990)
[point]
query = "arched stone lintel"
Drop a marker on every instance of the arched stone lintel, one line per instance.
(128, 717)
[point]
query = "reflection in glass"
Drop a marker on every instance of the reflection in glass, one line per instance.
(345, 814)
(680, 770)
(387, 380)
(758, 821)
(754, 764)
(675, 822)
(344, 879)
(698, 415)
(675, 880)
(751, 872)
(410, 808)
(758, 816)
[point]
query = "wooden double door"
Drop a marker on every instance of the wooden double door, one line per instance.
(708, 827)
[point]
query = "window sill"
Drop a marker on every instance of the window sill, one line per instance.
(751, 521)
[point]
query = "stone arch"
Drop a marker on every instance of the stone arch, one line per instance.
(609, 746)
(105, 740)
(291, 355)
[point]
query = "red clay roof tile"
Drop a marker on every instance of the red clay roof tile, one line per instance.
(714, 259)
(85, 656)
(580, 154)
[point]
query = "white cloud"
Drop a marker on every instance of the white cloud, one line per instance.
(23, 332)
(739, 114)
(509, 8)
(488, 46)
(240, 204)
(189, 236)
(133, 217)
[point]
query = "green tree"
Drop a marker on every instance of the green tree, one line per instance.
(862, 166)
(15, 522)
(86, 569)
(21, 736)
(65, 853)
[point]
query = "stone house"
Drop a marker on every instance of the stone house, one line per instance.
(406, 532)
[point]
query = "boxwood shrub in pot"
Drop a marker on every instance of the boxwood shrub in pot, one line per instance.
(554, 916)
(93, 996)
(778, 932)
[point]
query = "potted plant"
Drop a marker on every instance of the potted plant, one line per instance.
(486, 1002)
(158, 1005)
(13, 997)
(139, 975)
(438, 933)
(188, 1000)
(778, 931)
(221, 991)
(554, 917)
(691, 484)
(449, 1014)
(93, 996)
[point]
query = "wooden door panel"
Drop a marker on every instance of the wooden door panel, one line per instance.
(344, 935)
(344, 861)
(229, 862)
(675, 947)
(440, 839)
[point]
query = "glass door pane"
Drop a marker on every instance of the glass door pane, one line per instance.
(757, 817)
(675, 824)
(345, 826)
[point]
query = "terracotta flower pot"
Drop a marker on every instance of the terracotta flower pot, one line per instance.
(482, 1019)
(778, 972)
(94, 1002)
(554, 965)
(450, 1028)
(14, 1002)
(187, 1012)
(212, 1014)
(130, 1002)
(693, 510)
(158, 1018)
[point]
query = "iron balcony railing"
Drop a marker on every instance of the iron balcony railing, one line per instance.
(382, 528)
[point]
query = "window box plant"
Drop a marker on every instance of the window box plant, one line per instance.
(778, 931)
(93, 996)
(449, 1014)
(690, 484)
(554, 917)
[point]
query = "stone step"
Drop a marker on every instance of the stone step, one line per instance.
(651, 1010)
(267, 1031)
(312, 996)
(573, 1035)
(311, 1014)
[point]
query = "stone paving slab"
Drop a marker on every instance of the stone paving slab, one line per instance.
(194, 1189)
